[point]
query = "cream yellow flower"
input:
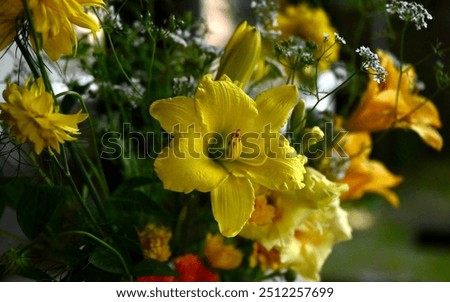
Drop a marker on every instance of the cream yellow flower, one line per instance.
(396, 103)
(10, 10)
(221, 255)
(54, 20)
(278, 214)
(310, 24)
(241, 54)
(365, 175)
(264, 258)
(305, 226)
(155, 242)
(223, 141)
(33, 117)
(314, 240)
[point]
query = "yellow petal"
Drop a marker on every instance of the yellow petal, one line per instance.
(275, 105)
(183, 167)
(232, 204)
(429, 135)
(283, 169)
(175, 114)
(224, 107)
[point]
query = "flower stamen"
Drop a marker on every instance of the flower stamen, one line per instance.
(234, 146)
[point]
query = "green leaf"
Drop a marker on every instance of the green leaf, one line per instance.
(136, 204)
(106, 260)
(36, 206)
(150, 267)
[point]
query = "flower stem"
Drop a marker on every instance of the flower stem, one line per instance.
(28, 58)
(109, 247)
(88, 180)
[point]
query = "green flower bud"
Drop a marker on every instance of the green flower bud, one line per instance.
(241, 54)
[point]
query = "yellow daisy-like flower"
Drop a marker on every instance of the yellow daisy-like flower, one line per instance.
(310, 24)
(365, 175)
(54, 20)
(10, 10)
(396, 103)
(33, 117)
(155, 242)
(223, 141)
(221, 255)
(301, 230)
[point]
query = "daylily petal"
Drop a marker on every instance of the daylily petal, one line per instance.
(183, 167)
(429, 135)
(224, 98)
(175, 114)
(232, 204)
(275, 105)
(283, 169)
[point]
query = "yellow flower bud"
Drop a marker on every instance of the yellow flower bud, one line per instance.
(241, 54)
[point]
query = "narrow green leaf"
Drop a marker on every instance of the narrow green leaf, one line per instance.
(106, 260)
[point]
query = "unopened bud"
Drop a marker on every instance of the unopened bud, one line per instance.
(241, 54)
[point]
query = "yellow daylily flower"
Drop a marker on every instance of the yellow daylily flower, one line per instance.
(365, 175)
(33, 118)
(223, 141)
(155, 242)
(278, 214)
(309, 24)
(241, 54)
(302, 228)
(396, 103)
(9, 21)
(221, 255)
(314, 240)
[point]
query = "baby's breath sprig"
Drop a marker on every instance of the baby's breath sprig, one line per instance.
(295, 53)
(265, 12)
(410, 12)
(370, 61)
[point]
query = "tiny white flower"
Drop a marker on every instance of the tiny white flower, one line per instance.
(410, 12)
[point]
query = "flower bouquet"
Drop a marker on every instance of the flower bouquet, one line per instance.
(132, 150)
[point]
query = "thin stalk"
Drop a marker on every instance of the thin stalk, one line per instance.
(88, 180)
(66, 171)
(37, 40)
(26, 54)
(97, 170)
(109, 247)
(397, 94)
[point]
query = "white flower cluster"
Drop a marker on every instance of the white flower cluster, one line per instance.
(339, 39)
(266, 12)
(371, 61)
(410, 12)
(184, 85)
